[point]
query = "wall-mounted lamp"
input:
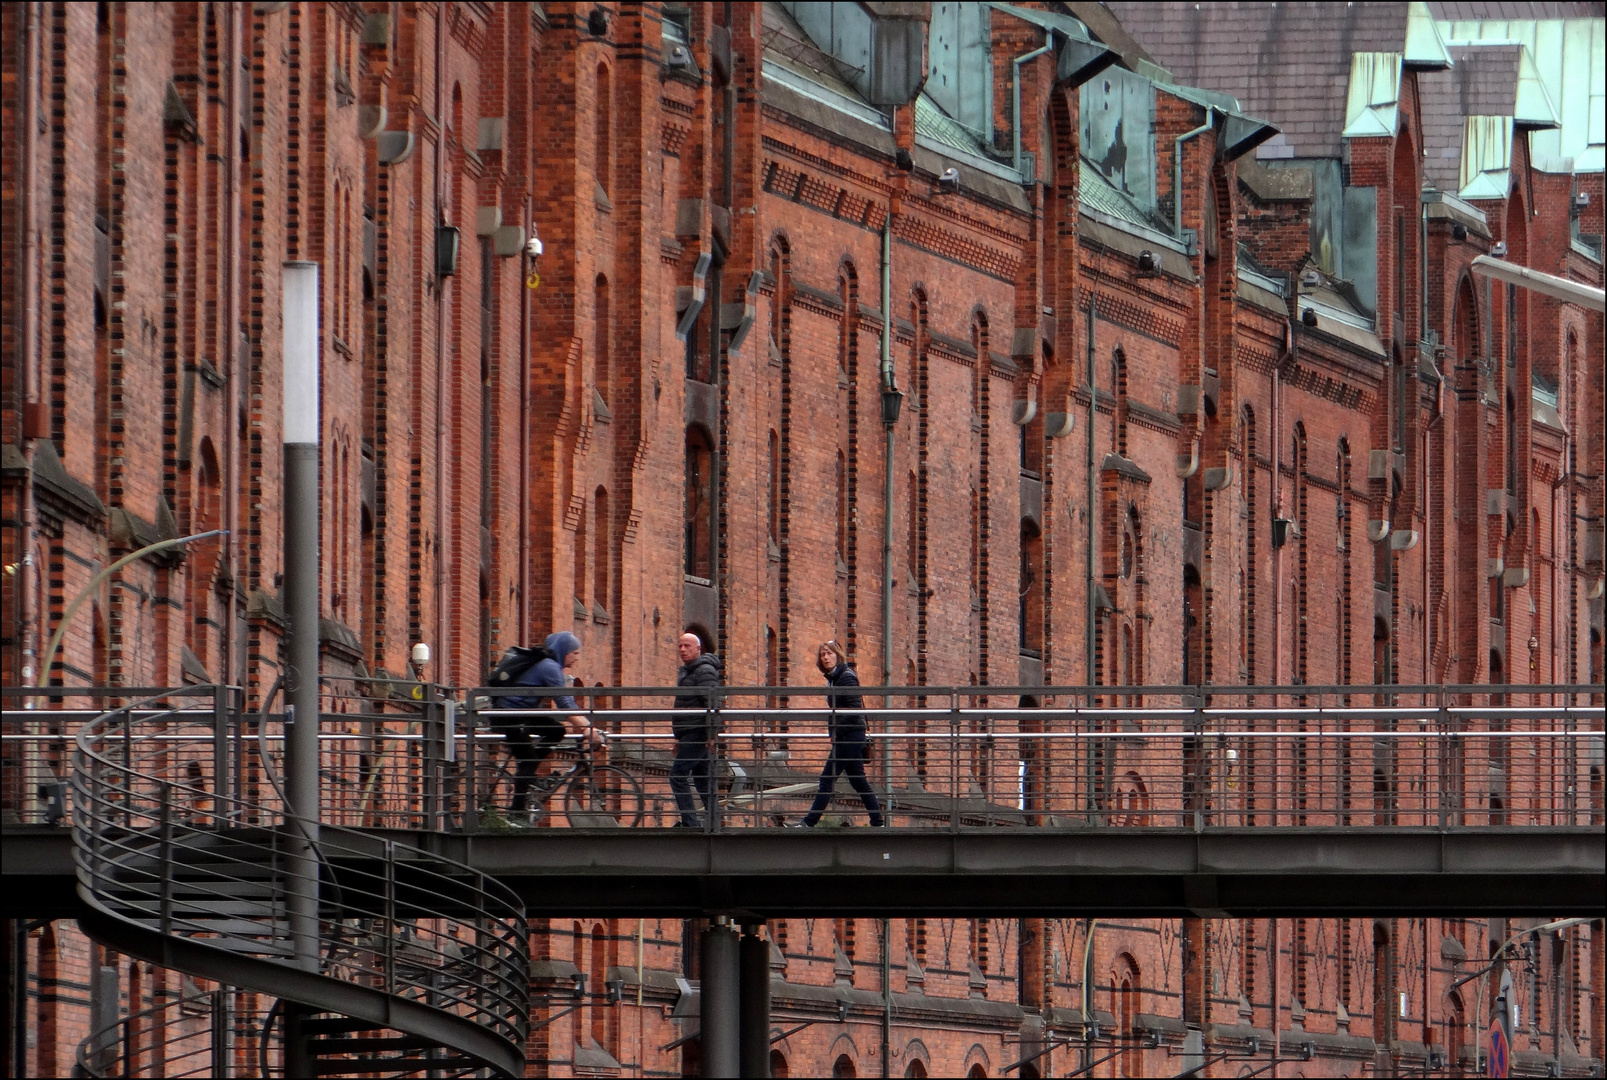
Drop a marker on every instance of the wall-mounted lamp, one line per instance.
(1499, 251)
(448, 238)
(597, 22)
(581, 978)
(1459, 231)
(1147, 263)
(892, 403)
(616, 990)
(1308, 317)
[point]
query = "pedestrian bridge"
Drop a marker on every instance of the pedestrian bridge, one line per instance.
(1152, 801)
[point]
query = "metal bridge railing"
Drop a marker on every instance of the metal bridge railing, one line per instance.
(935, 757)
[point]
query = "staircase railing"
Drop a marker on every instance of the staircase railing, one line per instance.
(180, 870)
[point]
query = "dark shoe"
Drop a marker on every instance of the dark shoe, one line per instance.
(686, 825)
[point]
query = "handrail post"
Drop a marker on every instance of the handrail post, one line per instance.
(220, 1033)
(165, 857)
(390, 916)
(221, 789)
(470, 764)
(954, 761)
(716, 756)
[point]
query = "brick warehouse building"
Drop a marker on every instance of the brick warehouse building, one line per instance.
(1198, 389)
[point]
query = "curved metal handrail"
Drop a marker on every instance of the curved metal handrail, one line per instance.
(184, 873)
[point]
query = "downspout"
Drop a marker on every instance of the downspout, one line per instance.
(524, 442)
(1093, 515)
(1177, 168)
(231, 352)
(888, 384)
(28, 568)
(728, 96)
(1015, 95)
(443, 667)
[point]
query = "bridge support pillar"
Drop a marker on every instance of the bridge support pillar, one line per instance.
(720, 993)
(755, 963)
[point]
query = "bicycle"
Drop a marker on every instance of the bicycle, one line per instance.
(594, 795)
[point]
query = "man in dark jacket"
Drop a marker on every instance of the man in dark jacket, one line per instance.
(692, 729)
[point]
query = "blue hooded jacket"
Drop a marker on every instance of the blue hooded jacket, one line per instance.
(549, 672)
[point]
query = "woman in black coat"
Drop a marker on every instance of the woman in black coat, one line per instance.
(849, 746)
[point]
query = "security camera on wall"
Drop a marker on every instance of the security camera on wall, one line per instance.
(948, 182)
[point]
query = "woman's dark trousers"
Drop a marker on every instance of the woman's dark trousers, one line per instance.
(848, 752)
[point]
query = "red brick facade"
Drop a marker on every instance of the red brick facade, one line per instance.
(522, 445)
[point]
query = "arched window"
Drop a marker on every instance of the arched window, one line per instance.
(843, 1066)
(1128, 1005)
(778, 1064)
(604, 143)
(599, 977)
(699, 548)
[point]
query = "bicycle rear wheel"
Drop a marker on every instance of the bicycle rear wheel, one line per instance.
(605, 796)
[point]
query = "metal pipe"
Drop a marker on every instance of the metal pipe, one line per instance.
(720, 1000)
(889, 393)
(1572, 292)
(889, 383)
(231, 344)
(1177, 168)
(1015, 95)
(27, 569)
(443, 310)
(1093, 516)
(523, 621)
(301, 562)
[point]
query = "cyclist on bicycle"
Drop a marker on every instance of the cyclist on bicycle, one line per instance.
(530, 739)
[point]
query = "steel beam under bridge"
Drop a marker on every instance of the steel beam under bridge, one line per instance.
(1137, 872)
(1153, 872)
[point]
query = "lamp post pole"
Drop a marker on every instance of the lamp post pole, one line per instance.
(301, 430)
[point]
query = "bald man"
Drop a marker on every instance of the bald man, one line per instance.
(692, 729)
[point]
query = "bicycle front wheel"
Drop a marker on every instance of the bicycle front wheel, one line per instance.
(605, 796)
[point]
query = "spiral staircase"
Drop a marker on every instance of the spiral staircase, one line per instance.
(417, 965)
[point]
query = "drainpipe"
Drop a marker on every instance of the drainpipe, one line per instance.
(889, 385)
(27, 571)
(231, 349)
(1093, 412)
(524, 442)
(1177, 168)
(1015, 95)
(889, 388)
(443, 667)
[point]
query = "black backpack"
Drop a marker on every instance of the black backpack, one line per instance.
(513, 665)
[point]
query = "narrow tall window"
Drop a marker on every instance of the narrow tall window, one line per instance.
(580, 557)
(1031, 591)
(699, 505)
(602, 343)
(913, 532)
(774, 505)
(601, 545)
(842, 508)
(604, 146)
